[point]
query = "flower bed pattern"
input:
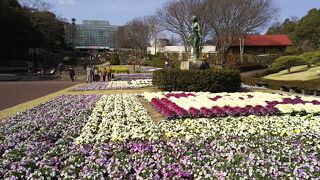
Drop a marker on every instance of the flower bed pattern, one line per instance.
(118, 118)
(26, 137)
(113, 85)
(65, 139)
(129, 77)
(196, 105)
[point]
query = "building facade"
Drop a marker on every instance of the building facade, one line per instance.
(263, 44)
(95, 35)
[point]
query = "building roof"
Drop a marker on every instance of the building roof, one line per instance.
(265, 40)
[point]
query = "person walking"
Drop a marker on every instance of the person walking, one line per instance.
(109, 72)
(89, 76)
(96, 73)
(104, 73)
(91, 73)
(72, 73)
(60, 68)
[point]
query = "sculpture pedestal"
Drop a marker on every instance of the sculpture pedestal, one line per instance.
(190, 65)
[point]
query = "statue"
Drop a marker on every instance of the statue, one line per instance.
(195, 36)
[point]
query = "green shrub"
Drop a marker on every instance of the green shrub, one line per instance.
(155, 61)
(70, 60)
(115, 60)
(116, 70)
(175, 64)
(316, 58)
(307, 57)
(287, 62)
(196, 80)
(276, 84)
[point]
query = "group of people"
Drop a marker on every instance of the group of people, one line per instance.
(93, 73)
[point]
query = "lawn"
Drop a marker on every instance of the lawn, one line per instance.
(301, 73)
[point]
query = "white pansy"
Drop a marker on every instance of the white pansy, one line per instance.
(142, 82)
(205, 99)
(117, 118)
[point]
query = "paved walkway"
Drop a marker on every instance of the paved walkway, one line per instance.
(252, 73)
(14, 93)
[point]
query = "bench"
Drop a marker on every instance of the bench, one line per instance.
(262, 84)
(291, 89)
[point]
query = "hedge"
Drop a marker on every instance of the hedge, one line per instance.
(116, 70)
(196, 80)
(287, 62)
(276, 84)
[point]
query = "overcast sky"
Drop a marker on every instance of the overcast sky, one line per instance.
(118, 12)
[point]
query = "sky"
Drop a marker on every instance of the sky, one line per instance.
(118, 12)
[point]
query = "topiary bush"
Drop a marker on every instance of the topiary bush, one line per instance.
(115, 59)
(196, 80)
(155, 61)
(276, 84)
(307, 57)
(316, 58)
(287, 62)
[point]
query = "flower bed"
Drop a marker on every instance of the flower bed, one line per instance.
(225, 157)
(129, 77)
(26, 137)
(134, 84)
(113, 137)
(118, 118)
(195, 105)
(142, 82)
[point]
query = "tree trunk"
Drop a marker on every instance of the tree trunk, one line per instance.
(222, 56)
(155, 44)
(241, 40)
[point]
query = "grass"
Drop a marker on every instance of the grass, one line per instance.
(298, 73)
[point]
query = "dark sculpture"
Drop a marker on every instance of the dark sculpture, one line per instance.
(195, 36)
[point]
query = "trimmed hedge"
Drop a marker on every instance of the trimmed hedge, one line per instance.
(276, 84)
(196, 80)
(287, 62)
(116, 70)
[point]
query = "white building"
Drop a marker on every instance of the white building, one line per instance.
(179, 49)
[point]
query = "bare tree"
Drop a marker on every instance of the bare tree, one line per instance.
(137, 34)
(231, 19)
(175, 16)
(39, 5)
(154, 29)
(173, 40)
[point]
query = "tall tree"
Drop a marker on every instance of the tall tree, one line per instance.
(175, 16)
(308, 28)
(137, 34)
(39, 5)
(154, 29)
(288, 27)
(50, 27)
(231, 19)
(17, 32)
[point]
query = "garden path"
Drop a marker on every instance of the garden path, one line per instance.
(152, 112)
(44, 97)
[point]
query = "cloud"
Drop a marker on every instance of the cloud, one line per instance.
(66, 2)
